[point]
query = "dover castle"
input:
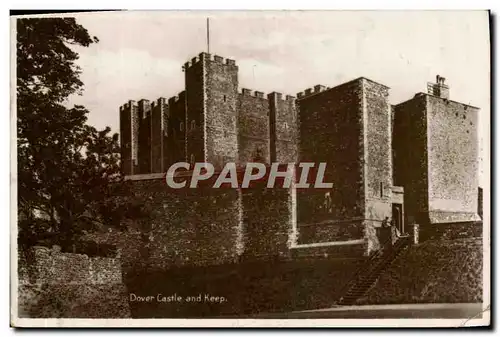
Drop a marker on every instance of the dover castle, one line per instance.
(414, 162)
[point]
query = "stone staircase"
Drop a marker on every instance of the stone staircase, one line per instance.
(369, 273)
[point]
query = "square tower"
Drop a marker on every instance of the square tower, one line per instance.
(253, 127)
(145, 150)
(348, 127)
(129, 138)
(283, 128)
(211, 106)
(436, 157)
(159, 135)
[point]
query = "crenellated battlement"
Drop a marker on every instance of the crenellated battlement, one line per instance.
(252, 93)
(158, 102)
(279, 97)
(208, 57)
(174, 99)
(222, 60)
(144, 102)
(258, 94)
(312, 91)
(246, 92)
(128, 105)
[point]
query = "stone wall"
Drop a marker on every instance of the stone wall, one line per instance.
(267, 222)
(330, 124)
(132, 244)
(54, 284)
(159, 134)
(177, 129)
(221, 115)
(330, 232)
(410, 156)
(453, 160)
(188, 226)
(129, 141)
(284, 128)
(378, 152)
(451, 231)
(253, 128)
(436, 271)
(436, 159)
(207, 226)
(145, 126)
(195, 85)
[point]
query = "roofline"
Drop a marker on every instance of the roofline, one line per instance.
(342, 84)
(421, 94)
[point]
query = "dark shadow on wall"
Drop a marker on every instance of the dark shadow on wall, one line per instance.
(240, 288)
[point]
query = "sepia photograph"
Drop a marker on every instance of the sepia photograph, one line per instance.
(250, 169)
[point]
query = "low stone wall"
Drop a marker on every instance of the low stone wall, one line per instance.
(444, 271)
(73, 301)
(203, 226)
(450, 231)
(54, 284)
(331, 231)
(50, 266)
(266, 223)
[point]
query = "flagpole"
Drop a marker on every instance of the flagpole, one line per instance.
(208, 35)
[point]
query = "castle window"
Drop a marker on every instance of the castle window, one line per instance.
(381, 189)
(285, 125)
(181, 126)
(193, 124)
(225, 98)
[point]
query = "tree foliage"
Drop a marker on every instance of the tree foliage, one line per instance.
(68, 171)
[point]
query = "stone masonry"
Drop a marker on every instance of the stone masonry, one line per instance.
(425, 149)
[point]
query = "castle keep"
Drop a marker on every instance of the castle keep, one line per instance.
(415, 161)
(210, 121)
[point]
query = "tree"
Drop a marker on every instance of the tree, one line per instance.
(67, 170)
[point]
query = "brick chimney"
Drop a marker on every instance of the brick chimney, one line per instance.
(439, 89)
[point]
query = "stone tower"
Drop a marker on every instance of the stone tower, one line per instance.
(144, 136)
(348, 127)
(211, 106)
(159, 135)
(283, 128)
(436, 156)
(129, 140)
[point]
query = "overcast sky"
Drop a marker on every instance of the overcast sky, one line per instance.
(140, 54)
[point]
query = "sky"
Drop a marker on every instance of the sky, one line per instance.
(140, 54)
